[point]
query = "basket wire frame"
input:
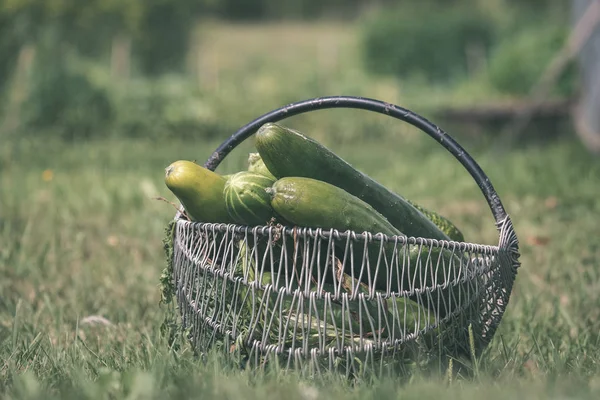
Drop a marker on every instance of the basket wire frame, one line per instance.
(308, 294)
(346, 301)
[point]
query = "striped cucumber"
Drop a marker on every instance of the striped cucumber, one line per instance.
(246, 200)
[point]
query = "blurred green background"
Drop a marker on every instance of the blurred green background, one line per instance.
(97, 97)
(184, 68)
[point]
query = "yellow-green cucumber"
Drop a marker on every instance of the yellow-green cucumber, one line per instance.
(199, 190)
(288, 153)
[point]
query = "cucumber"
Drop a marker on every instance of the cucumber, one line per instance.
(313, 203)
(249, 204)
(407, 310)
(246, 200)
(441, 222)
(199, 190)
(256, 164)
(288, 153)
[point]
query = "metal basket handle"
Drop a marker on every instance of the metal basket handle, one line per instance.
(503, 224)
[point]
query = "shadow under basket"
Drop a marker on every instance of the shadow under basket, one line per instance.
(345, 302)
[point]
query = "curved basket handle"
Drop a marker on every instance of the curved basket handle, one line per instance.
(378, 106)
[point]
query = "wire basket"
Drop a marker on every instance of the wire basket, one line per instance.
(347, 301)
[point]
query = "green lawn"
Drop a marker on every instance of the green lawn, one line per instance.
(81, 234)
(80, 237)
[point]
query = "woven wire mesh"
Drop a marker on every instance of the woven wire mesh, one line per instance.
(336, 300)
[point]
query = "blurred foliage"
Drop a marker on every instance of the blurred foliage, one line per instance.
(91, 105)
(166, 107)
(159, 28)
(64, 95)
(427, 39)
(74, 83)
(520, 59)
(9, 49)
(511, 43)
(163, 41)
(289, 9)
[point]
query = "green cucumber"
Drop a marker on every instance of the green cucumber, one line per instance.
(288, 153)
(313, 203)
(246, 200)
(441, 222)
(317, 204)
(256, 164)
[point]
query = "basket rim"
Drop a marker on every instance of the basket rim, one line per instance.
(478, 270)
(323, 233)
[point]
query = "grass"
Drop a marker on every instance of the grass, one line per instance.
(81, 252)
(81, 257)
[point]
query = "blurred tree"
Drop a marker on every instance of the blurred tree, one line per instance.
(557, 7)
(587, 117)
(63, 89)
(427, 40)
(18, 22)
(242, 9)
(519, 60)
(162, 38)
(159, 29)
